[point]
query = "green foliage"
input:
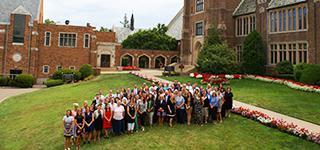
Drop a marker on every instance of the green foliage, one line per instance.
(86, 70)
(298, 70)
(59, 74)
(284, 67)
(4, 81)
(103, 29)
(216, 57)
(154, 39)
(253, 61)
(48, 21)
(311, 74)
(23, 81)
(53, 82)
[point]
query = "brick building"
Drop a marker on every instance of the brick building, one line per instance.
(290, 28)
(29, 46)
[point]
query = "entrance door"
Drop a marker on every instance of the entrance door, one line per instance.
(105, 61)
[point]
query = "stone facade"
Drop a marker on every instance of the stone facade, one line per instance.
(229, 16)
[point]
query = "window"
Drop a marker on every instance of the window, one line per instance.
(294, 21)
(284, 20)
(19, 28)
(245, 25)
(280, 21)
(45, 69)
(305, 17)
(289, 19)
(67, 40)
(199, 5)
(239, 53)
(300, 18)
(292, 52)
(59, 67)
(275, 22)
(47, 39)
(72, 67)
(86, 41)
(199, 29)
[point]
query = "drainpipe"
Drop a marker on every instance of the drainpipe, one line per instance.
(29, 49)
(316, 32)
(6, 49)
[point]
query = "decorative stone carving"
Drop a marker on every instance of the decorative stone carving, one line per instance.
(17, 57)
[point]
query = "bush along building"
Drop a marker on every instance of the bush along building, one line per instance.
(289, 28)
(28, 46)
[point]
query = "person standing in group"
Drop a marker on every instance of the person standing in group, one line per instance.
(107, 125)
(79, 124)
(131, 112)
(142, 111)
(98, 116)
(228, 97)
(118, 116)
(150, 108)
(213, 106)
(180, 105)
(171, 110)
(89, 124)
(205, 100)
(189, 107)
(161, 106)
(220, 103)
(68, 122)
(198, 106)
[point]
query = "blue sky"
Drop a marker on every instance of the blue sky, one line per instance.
(107, 13)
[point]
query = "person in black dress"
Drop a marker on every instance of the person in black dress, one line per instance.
(79, 123)
(228, 101)
(161, 109)
(131, 115)
(98, 122)
(171, 110)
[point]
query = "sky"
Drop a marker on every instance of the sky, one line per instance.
(109, 13)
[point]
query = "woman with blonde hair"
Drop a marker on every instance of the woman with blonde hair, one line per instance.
(68, 129)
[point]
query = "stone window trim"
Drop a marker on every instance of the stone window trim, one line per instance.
(72, 67)
(84, 40)
(292, 51)
(160, 55)
(45, 69)
(127, 54)
(196, 8)
(45, 39)
(241, 26)
(195, 28)
(58, 67)
(288, 19)
(76, 42)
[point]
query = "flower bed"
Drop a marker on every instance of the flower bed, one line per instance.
(289, 83)
(278, 124)
(129, 68)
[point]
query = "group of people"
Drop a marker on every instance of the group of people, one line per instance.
(129, 110)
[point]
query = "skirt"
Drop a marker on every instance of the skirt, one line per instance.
(68, 134)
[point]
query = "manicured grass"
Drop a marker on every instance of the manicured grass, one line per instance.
(276, 97)
(33, 121)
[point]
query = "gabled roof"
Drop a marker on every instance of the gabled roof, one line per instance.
(245, 7)
(122, 33)
(281, 3)
(7, 7)
(175, 26)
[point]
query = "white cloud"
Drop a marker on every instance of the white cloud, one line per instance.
(147, 13)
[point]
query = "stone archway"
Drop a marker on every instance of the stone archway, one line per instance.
(197, 49)
(159, 62)
(126, 60)
(144, 61)
(175, 59)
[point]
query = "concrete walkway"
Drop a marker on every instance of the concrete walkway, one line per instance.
(6, 92)
(302, 124)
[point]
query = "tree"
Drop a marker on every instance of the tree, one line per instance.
(132, 23)
(48, 21)
(216, 57)
(253, 61)
(154, 39)
(103, 29)
(125, 22)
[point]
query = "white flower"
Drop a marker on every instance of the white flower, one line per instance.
(191, 75)
(199, 76)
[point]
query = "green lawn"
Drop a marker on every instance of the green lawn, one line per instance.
(276, 97)
(33, 121)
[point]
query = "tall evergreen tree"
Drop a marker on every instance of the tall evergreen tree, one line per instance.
(254, 58)
(132, 23)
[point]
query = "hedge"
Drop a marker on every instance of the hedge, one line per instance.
(4, 81)
(53, 82)
(311, 74)
(23, 81)
(86, 70)
(284, 67)
(58, 74)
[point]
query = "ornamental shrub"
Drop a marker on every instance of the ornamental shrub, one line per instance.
(4, 81)
(311, 74)
(24, 81)
(298, 70)
(86, 70)
(254, 59)
(59, 74)
(53, 82)
(284, 67)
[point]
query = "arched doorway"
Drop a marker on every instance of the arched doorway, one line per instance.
(160, 62)
(175, 59)
(196, 52)
(126, 60)
(144, 62)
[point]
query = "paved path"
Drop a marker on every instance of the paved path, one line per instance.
(9, 92)
(302, 124)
